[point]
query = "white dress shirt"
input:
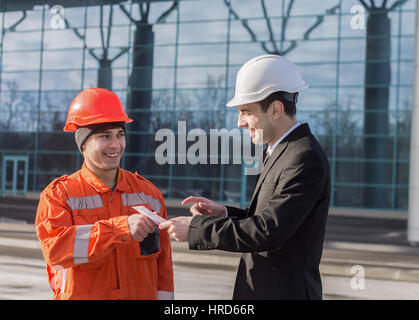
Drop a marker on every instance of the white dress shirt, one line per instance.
(272, 148)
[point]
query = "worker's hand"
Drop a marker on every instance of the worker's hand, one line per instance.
(178, 228)
(140, 226)
(205, 207)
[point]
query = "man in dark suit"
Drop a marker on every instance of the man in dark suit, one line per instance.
(281, 234)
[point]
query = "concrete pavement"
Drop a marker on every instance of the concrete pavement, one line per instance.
(366, 243)
(382, 256)
(380, 260)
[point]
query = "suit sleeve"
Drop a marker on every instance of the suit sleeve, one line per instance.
(236, 212)
(67, 245)
(298, 190)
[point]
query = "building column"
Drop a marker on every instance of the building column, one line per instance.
(413, 216)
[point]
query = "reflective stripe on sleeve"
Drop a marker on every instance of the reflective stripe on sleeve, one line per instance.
(132, 199)
(81, 244)
(165, 295)
(88, 202)
(63, 280)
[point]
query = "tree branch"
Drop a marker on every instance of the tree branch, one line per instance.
(294, 43)
(291, 47)
(122, 7)
(109, 27)
(397, 4)
(144, 11)
(165, 14)
(268, 23)
(285, 22)
(265, 48)
(92, 53)
(81, 37)
(12, 28)
(78, 34)
(123, 50)
(243, 21)
(319, 21)
(332, 10)
(102, 38)
(314, 26)
(147, 9)
(364, 4)
(285, 19)
(140, 6)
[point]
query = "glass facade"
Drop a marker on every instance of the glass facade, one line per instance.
(173, 64)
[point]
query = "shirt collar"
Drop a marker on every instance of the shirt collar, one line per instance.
(272, 148)
(99, 185)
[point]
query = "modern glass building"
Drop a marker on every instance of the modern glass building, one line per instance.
(173, 63)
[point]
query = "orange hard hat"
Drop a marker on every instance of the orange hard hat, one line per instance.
(95, 105)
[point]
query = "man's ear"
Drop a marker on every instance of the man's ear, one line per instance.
(277, 109)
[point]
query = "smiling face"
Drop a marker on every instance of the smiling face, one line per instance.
(260, 124)
(103, 150)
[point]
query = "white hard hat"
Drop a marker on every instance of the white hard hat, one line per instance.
(263, 75)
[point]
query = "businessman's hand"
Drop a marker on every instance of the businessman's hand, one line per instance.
(205, 207)
(178, 228)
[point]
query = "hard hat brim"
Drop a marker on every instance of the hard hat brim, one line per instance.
(259, 96)
(72, 126)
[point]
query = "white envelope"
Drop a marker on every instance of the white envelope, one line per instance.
(149, 214)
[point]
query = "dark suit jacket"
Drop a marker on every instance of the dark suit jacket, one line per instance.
(281, 234)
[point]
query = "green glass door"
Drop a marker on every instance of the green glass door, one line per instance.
(14, 174)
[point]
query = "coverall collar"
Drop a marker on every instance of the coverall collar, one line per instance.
(99, 185)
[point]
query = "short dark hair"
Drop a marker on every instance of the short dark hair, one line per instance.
(290, 108)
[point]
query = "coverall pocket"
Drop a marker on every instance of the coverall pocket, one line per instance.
(151, 244)
(149, 247)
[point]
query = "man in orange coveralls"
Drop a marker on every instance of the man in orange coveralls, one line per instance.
(95, 244)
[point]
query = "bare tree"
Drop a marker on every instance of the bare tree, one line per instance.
(344, 145)
(141, 81)
(272, 39)
(16, 109)
(12, 28)
(376, 99)
(104, 79)
(8, 105)
(377, 83)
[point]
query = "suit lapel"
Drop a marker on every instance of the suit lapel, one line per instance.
(298, 133)
(268, 165)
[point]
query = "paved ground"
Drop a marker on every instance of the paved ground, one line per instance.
(202, 275)
(25, 278)
(355, 246)
(367, 229)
